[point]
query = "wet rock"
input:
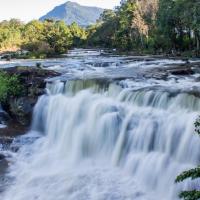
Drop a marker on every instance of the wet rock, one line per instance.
(3, 166)
(156, 75)
(197, 79)
(4, 117)
(21, 108)
(188, 68)
(181, 71)
(186, 60)
(6, 57)
(5, 142)
(13, 128)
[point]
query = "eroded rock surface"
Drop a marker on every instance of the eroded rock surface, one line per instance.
(19, 109)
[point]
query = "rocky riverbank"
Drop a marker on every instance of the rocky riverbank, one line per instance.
(17, 110)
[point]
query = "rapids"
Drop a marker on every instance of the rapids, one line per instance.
(97, 135)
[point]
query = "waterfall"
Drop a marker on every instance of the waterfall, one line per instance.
(3, 115)
(102, 142)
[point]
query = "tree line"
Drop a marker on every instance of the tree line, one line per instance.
(154, 26)
(147, 26)
(40, 39)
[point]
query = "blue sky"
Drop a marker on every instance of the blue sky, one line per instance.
(27, 10)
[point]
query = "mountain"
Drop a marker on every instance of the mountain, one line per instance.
(73, 12)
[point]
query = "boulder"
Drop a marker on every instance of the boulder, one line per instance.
(181, 71)
(21, 108)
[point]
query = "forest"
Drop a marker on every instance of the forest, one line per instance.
(154, 26)
(40, 39)
(140, 26)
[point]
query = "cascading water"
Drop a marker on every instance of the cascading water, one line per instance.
(102, 142)
(2, 115)
(95, 147)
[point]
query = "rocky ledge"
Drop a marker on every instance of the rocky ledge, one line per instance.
(18, 110)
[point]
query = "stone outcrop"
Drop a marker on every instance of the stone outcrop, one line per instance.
(33, 81)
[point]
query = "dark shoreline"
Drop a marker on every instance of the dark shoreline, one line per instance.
(176, 56)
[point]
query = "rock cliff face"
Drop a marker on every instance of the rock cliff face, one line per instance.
(32, 79)
(73, 12)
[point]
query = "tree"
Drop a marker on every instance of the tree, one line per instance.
(104, 32)
(33, 31)
(57, 35)
(9, 86)
(193, 174)
(178, 24)
(125, 34)
(10, 34)
(46, 38)
(79, 34)
(128, 27)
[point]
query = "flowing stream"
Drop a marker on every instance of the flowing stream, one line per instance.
(99, 134)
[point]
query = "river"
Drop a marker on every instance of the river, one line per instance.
(110, 128)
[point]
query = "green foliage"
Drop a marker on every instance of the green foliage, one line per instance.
(10, 34)
(197, 126)
(103, 33)
(33, 32)
(57, 34)
(155, 26)
(41, 39)
(192, 174)
(190, 195)
(126, 28)
(79, 35)
(9, 86)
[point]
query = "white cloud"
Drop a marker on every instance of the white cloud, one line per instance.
(33, 9)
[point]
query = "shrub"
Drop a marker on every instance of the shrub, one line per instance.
(9, 86)
(192, 174)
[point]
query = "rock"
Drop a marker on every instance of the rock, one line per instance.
(21, 108)
(4, 117)
(13, 129)
(7, 57)
(5, 142)
(197, 79)
(3, 166)
(39, 65)
(186, 60)
(182, 70)
(33, 81)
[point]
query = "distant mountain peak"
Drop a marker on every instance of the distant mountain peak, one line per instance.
(73, 12)
(71, 3)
